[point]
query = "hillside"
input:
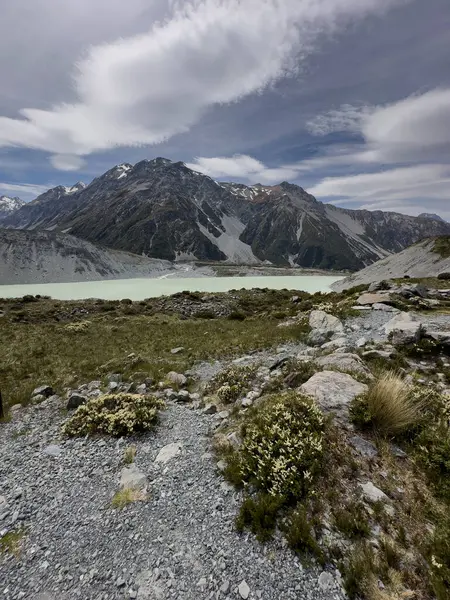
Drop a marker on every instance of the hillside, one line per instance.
(166, 210)
(50, 257)
(427, 258)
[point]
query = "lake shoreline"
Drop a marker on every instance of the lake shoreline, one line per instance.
(142, 288)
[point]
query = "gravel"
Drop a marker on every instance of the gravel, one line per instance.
(179, 543)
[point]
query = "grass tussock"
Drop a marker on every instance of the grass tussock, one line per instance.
(389, 406)
(12, 542)
(129, 455)
(126, 496)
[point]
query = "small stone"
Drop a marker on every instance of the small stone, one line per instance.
(325, 581)
(244, 590)
(364, 447)
(210, 409)
(373, 494)
(43, 390)
(75, 400)
(225, 587)
(224, 414)
(52, 450)
(246, 402)
(176, 378)
(141, 389)
(38, 399)
(398, 452)
(202, 582)
(133, 478)
(114, 378)
(132, 594)
(361, 342)
(15, 408)
(120, 582)
(177, 350)
(168, 453)
(113, 386)
(234, 439)
(221, 465)
(183, 396)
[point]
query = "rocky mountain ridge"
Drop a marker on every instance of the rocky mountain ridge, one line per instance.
(165, 210)
(51, 257)
(419, 260)
(9, 205)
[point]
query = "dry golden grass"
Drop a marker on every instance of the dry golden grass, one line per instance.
(391, 406)
(129, 455)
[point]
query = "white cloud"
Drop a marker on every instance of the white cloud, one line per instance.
(242, 166)
(66, 162)
(26, 191)
(144, 89)
(346, 118)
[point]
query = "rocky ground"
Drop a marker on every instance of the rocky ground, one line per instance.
(179, 539)
(179, 543)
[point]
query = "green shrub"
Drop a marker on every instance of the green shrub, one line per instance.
(437, 552)
(358, 571)
(282, 448)
(352, 520)
(300, 534)
(259, 514)
(232, 382)
(114, 414)
(298, 372)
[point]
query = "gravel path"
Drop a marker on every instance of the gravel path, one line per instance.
(181, 543)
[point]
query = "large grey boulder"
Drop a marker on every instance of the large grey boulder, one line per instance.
(404, 329)
(369, 299)
(43, 390)
(334, 391)
(323, 327)
(344, 361)
(168, 453)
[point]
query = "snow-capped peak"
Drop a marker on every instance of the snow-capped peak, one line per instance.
(123, 170)
(75, 188)
(9, 205)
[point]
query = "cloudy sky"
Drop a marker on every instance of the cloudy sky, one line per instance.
(348, 98)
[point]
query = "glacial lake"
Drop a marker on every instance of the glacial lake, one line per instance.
(139, 289)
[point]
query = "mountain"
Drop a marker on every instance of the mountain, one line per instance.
(50, 257)
(431, 216)
(424, 259)
(9, 205)
(165, 210)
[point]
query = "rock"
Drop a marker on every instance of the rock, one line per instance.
(224, 414)
(38, 399)
(94, 385)
(373, 494)
(344, 361)
(234, 439)
(246, 402)
(176, 378)
(15, 408)
(114, 378)
(325, 581)
(318, 337)
(361, 308)
(244, 590)
(168, 453)
(210, 409)
(376, 286)
(177, 350)
(398, 452)
(334, 344)
(404, 329)
(363, 447)
(148, 587)
(378, 354)
(441, 337)
(253, 394)
(415, 289)
(361, 342)
(53, 450)
(334, 391)
(4, 509)
(43, 390)
(384, 307)
(133, 478)
(327, 324)
(368, 299)
(183, 396)
(226, 584)
(141, 389)
(221, 465)
(113, 386)
(75, 400)
(279, 362)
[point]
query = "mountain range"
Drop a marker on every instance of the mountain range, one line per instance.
(9, 205)
(163, 209)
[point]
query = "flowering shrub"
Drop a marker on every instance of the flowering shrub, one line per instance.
(114, 414)
(282, 446)
(232, 382)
